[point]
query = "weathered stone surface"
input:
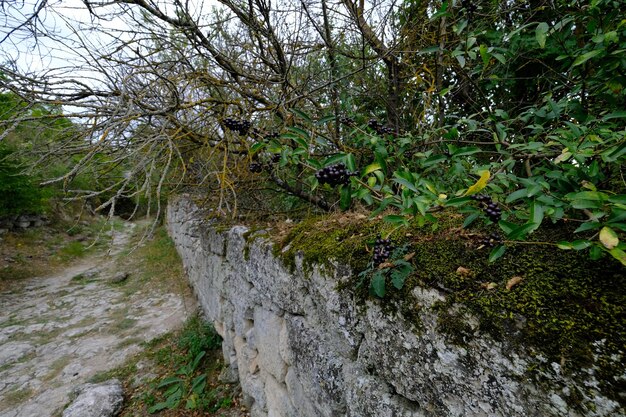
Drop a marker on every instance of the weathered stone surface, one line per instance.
(301, 346)
(60, 330)
(13, 351)
(97, 400)
(119, 277)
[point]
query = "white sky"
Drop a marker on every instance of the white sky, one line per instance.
(67, 20)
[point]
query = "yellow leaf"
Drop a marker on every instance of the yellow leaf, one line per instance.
(480, 184)
(608, 238)
(513, 282)
(463, 271)
(371, 168)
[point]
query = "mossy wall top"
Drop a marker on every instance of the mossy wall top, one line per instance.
(540, 332)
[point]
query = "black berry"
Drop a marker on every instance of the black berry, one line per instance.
(489, 241)
(334, 175)
(240, 126)
(255, 167)
(490, 207)
(382, 250)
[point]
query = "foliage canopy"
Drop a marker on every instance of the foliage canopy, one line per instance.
(426, 102)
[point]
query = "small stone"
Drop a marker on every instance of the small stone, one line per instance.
(119, 277)
(97, 400)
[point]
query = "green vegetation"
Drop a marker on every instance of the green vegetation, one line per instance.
(183, 372)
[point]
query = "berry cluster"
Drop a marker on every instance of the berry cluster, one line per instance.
(346, 120)
(382, 250)
(490, 241)
(275, 158)
(379, 128)
(489, 206)
(255, 167)
(334, 174)
(239, 126)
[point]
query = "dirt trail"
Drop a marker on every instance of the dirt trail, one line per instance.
(57, 332)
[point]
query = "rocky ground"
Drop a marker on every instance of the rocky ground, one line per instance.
(59, 331)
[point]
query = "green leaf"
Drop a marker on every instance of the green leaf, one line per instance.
(587, 226)
(400, 273)
(595, 252)
(433, 160)
(541, 33)
(198, 384)
(325, 119)
(536, 214)
(299, 131)
(169, 381)
(301, 114)
(406, 183)
(496, 253)
(346, 197)
(580, 244)
(588, 195)
(615, 115)
(350, 162)
(340, 157)
(564, 245)
(586, 57)
(618, 199)
(157, 407)
(365, 195)
(619, 254)
(468, 150)
(470, 219)
(396, 219)
(608, 238)
(378, 284)
(257, 147)
(614, 153)
(457, 201)
(516, 195)
(521, 231)
(507, 227)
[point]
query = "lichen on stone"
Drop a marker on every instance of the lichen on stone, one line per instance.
(562, 305)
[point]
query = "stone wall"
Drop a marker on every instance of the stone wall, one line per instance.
(23, 221)
(302, 348)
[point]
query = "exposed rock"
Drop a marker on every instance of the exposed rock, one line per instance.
(13, 351)
(97, 400)
(301, 347)
(119, 277)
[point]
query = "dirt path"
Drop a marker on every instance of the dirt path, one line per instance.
(56, 332)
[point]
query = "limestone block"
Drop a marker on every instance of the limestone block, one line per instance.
(267, 328)
(278, 401)
(298, 397)
(319, 368)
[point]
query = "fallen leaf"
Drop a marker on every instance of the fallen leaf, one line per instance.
(489, 285)
(463, 271)
(385, 265)
(513, 282)
(409, 256)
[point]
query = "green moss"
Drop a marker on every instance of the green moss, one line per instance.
(250, 236)
(564, 305)
(322, 240)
